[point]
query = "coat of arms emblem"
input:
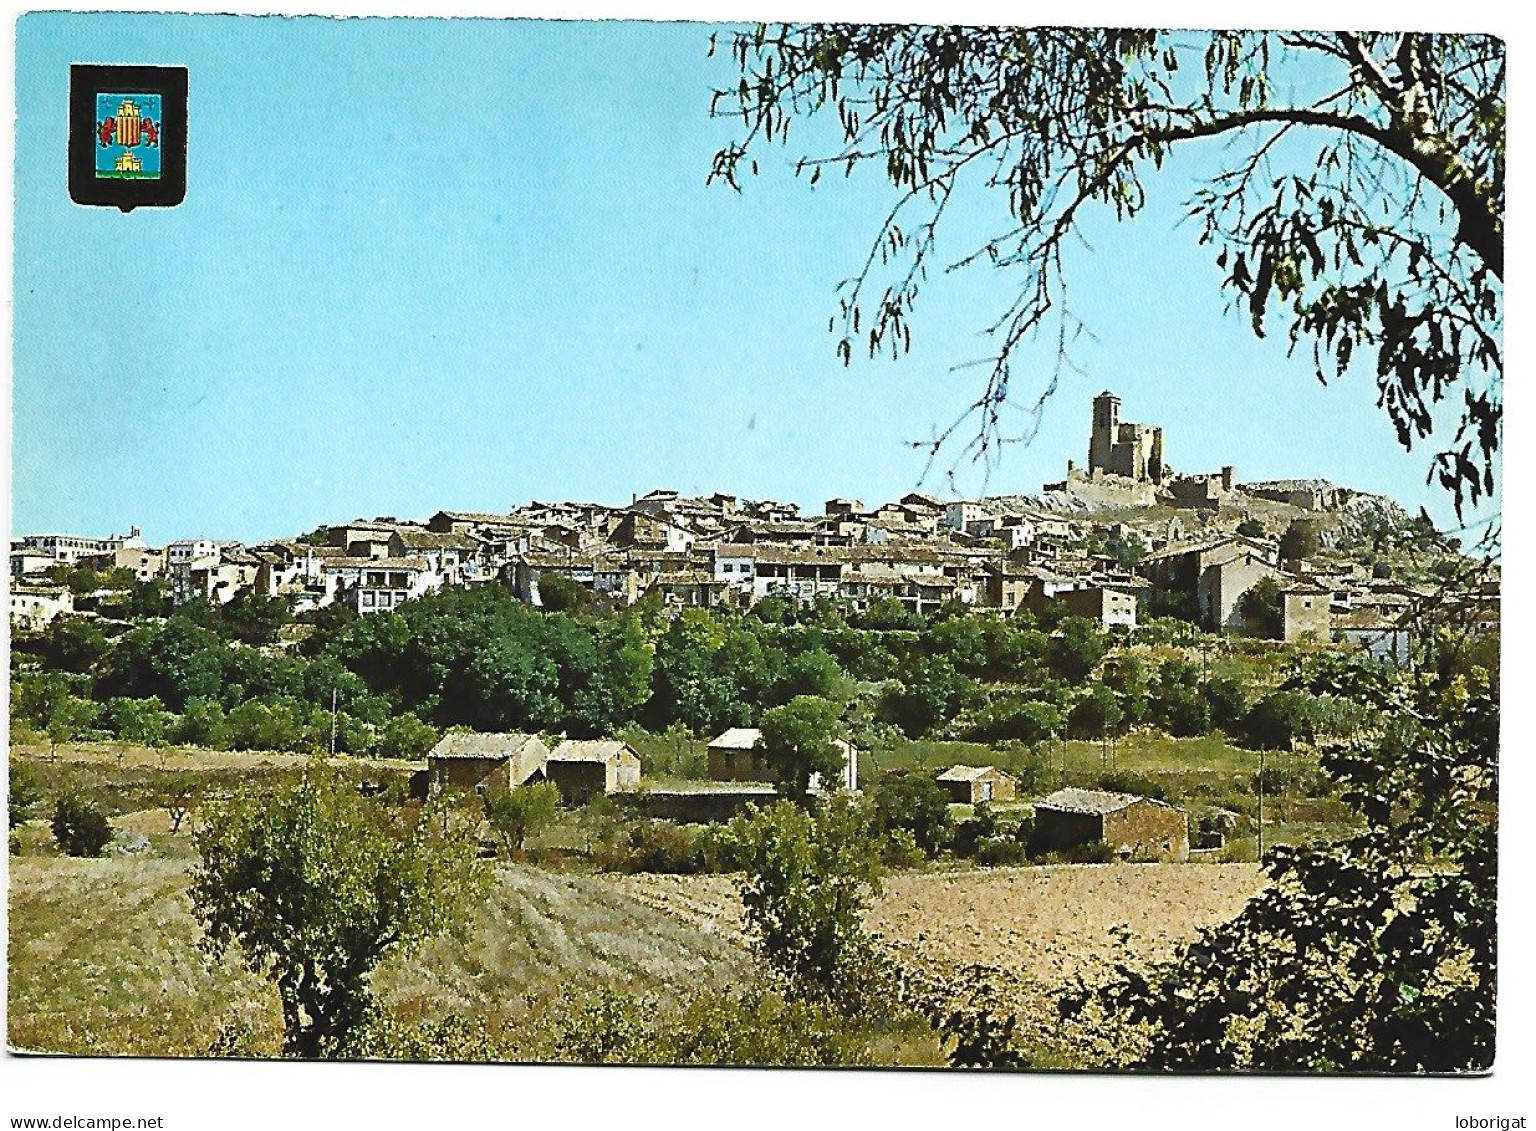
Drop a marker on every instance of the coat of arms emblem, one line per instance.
(128, 136)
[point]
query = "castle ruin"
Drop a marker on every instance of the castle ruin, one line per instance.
(1118, 447)
(1126, 467)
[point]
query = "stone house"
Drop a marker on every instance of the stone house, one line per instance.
(735, 756)
(466, 760)
(1304, 609)
(584, 768)
(34, 606)
(971, 785)
(381, 584)
(1215, 574)
(28, 560)
(1108, 603)
(145, 564)
(1130, 824)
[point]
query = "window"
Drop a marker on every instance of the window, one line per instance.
(367, 600)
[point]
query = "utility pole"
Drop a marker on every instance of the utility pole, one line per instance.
(333, 722)
(1261, 805)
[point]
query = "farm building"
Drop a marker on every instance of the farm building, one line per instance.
(583, 769)
(734, 756)
(971, 785)
(465, 760)
(1130, 824)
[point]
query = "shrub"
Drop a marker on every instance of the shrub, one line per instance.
(807, 886)
(913, 801)
(25, 793)
(516, 814)
(662, 846)
(1123, 781)
(996, 850)
(1279, 720)
(1024, 721)
(899, 849)
(80, 827)
(1097, 852)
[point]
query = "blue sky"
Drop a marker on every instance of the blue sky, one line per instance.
(428, 264)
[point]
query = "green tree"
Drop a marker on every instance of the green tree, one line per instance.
(404, 736)
(73, 644)
(807, 885)
(1181, 709)
(561, 594)
(815, 672)
(1300, 540)
(80, 827)
(255, 618)
(202, 722)
(516, 814)
(1028, 721)
(68, 719)
(1279, 720)
(142, 721)
(800, 740)
(913, 801)
(1076, 649)
(1096, 713)
(1356, 191)
(1229, 702)
(1262, 609)
(314, 885)
(1251, 528)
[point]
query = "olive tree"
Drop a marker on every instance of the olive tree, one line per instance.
(1356, 191)
(314, 885)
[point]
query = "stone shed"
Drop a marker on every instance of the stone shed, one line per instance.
(971, 785)
(1130, 824)
(466, 760)
(584, 768)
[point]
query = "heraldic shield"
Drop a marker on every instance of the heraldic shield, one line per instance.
(128, 136)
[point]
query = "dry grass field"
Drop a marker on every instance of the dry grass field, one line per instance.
(104, 958)
(104, 955)
(1040, 927)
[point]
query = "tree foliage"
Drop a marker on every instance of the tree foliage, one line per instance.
(314, 885)
(516, 814)
(1372, 954)
(807, 883)
(80, 827)
(799, 742)
(913, 801)
(1357, 195)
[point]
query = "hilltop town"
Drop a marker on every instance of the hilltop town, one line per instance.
(1119, 537)
(1133, 664)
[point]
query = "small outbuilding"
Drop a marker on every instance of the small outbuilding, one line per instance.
(735, 756)
(1130, 824)
(971, 785)
(467, 760)
(584, 768)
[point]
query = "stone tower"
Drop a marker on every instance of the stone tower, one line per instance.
(1134, 451)
(1106, 422)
